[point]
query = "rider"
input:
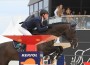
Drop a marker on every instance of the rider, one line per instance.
(35, 23)
(40, 23)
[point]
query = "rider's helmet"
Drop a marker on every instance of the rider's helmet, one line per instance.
(43, 11)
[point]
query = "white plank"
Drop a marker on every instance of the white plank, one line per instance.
(14, 63)
(64, 45)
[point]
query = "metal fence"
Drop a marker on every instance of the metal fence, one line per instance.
(82, 21)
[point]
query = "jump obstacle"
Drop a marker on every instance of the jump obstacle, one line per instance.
(32, 41)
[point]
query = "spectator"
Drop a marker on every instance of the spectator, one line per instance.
(68, 11)
(58, 12)
(68, 15)
(70, 18)
(79, 13)
(73, 12)
(85, 12)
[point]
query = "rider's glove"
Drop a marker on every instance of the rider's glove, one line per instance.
(49, 26)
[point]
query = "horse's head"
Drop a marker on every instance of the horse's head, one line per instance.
(70, 34)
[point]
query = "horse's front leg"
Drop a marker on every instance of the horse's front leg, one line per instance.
(74, 43)
(59, 51)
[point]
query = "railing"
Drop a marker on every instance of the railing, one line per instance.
(82, 21)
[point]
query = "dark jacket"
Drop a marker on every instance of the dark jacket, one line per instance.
(35, 22)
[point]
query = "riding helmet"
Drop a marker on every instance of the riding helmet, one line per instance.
(43, 11)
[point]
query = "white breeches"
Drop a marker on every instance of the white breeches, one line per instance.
(24, 31)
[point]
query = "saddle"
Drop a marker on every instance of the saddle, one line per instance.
(19, 46)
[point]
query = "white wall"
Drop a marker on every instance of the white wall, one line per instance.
(8, 29)
(14, 63)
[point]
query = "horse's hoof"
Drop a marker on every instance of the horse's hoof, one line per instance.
(75, 46)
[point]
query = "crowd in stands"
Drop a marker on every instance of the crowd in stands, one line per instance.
(60, 10)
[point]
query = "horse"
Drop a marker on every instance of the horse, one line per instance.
(8, 51)
(62, 29)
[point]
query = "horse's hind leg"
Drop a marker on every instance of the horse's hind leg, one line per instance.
(3, 59)
(4, 62)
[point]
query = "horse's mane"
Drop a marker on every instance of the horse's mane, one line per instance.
(59, 23)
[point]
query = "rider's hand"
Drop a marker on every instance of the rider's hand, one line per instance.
(49, 26)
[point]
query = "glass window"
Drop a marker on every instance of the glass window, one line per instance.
(36, 7)
(40, 5)
(36, 13)
(46, 3)
(46, 8)
(31, 8)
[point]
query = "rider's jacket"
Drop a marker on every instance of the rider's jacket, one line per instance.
(35, 22)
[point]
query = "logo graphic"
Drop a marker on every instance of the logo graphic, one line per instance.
(29, 58)
(30, 61)
(80, 59)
